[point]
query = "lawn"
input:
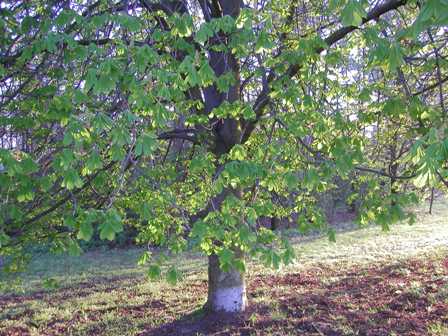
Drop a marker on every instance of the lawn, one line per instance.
(367, 283)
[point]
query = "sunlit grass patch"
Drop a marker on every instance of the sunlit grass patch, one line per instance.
(395, 282)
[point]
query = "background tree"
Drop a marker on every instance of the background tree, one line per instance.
(188, 118)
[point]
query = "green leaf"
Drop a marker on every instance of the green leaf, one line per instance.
(120, 136)
(238, 153)
(353, 13)
(106, 232)
(65, 17)
(263, 43)
(432, 13)
(72, 180)
(146, 144)
(102, 122)
(29, 166)
(182, 25)
(226, 257)
(288, 255)
(154, 272)
(86, 229)
(188, 67)
(225, 81)
(226, 24)
(25, 193)
(395, 56)
(206, 74)
(111, 225)
(66, 159)
(394, 107)
(271, 259)
(90, 80)
(4, 239)
(311, 179)
(117, 153)
(144, 258)
(50, 283)
(240, 265)
(423, 179)
(129, 22)
(68, 138)
(99, 20)
(73, 248)
(145, 55)
(93, 163)
(248, 112)
(199, 229)
(146, 212)
(104, 84)
(335, 4)
(27, 23)
(204, 33)
(173, 276)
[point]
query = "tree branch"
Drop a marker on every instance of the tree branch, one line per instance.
(383, 173)
(180, 133)
(430, 87)
(69, 196)
(318, 159)
(263, 98)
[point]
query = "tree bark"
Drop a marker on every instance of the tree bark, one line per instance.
(275, 223)
(226, 290)
(431, 201)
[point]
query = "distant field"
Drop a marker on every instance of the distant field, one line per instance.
(367, 283)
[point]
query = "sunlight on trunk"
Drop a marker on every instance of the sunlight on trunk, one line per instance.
(226, 290)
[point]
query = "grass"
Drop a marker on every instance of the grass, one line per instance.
(367, 283)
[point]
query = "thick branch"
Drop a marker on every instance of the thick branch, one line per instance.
(180, 133)
(168, 7)
(444, 181)
(432, 86)
(383, 173)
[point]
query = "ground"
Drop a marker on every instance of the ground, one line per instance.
(367, 283)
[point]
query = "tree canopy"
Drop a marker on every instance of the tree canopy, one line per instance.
(192, 120)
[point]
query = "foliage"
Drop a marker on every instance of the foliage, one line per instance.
(192, 122)
(92, 287)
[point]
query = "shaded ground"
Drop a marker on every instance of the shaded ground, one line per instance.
(409, 298)
(368, 283)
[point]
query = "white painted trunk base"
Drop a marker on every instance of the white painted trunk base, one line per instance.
(232, 299)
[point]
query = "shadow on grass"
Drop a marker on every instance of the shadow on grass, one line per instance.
(399, 299)
(405, 298)
(80, 289)
(202, 322)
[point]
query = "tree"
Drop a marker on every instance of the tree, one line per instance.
(191, 115)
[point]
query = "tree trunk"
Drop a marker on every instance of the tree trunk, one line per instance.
(393, 170)
(226, 290)
(431, 201)
(275, 223)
